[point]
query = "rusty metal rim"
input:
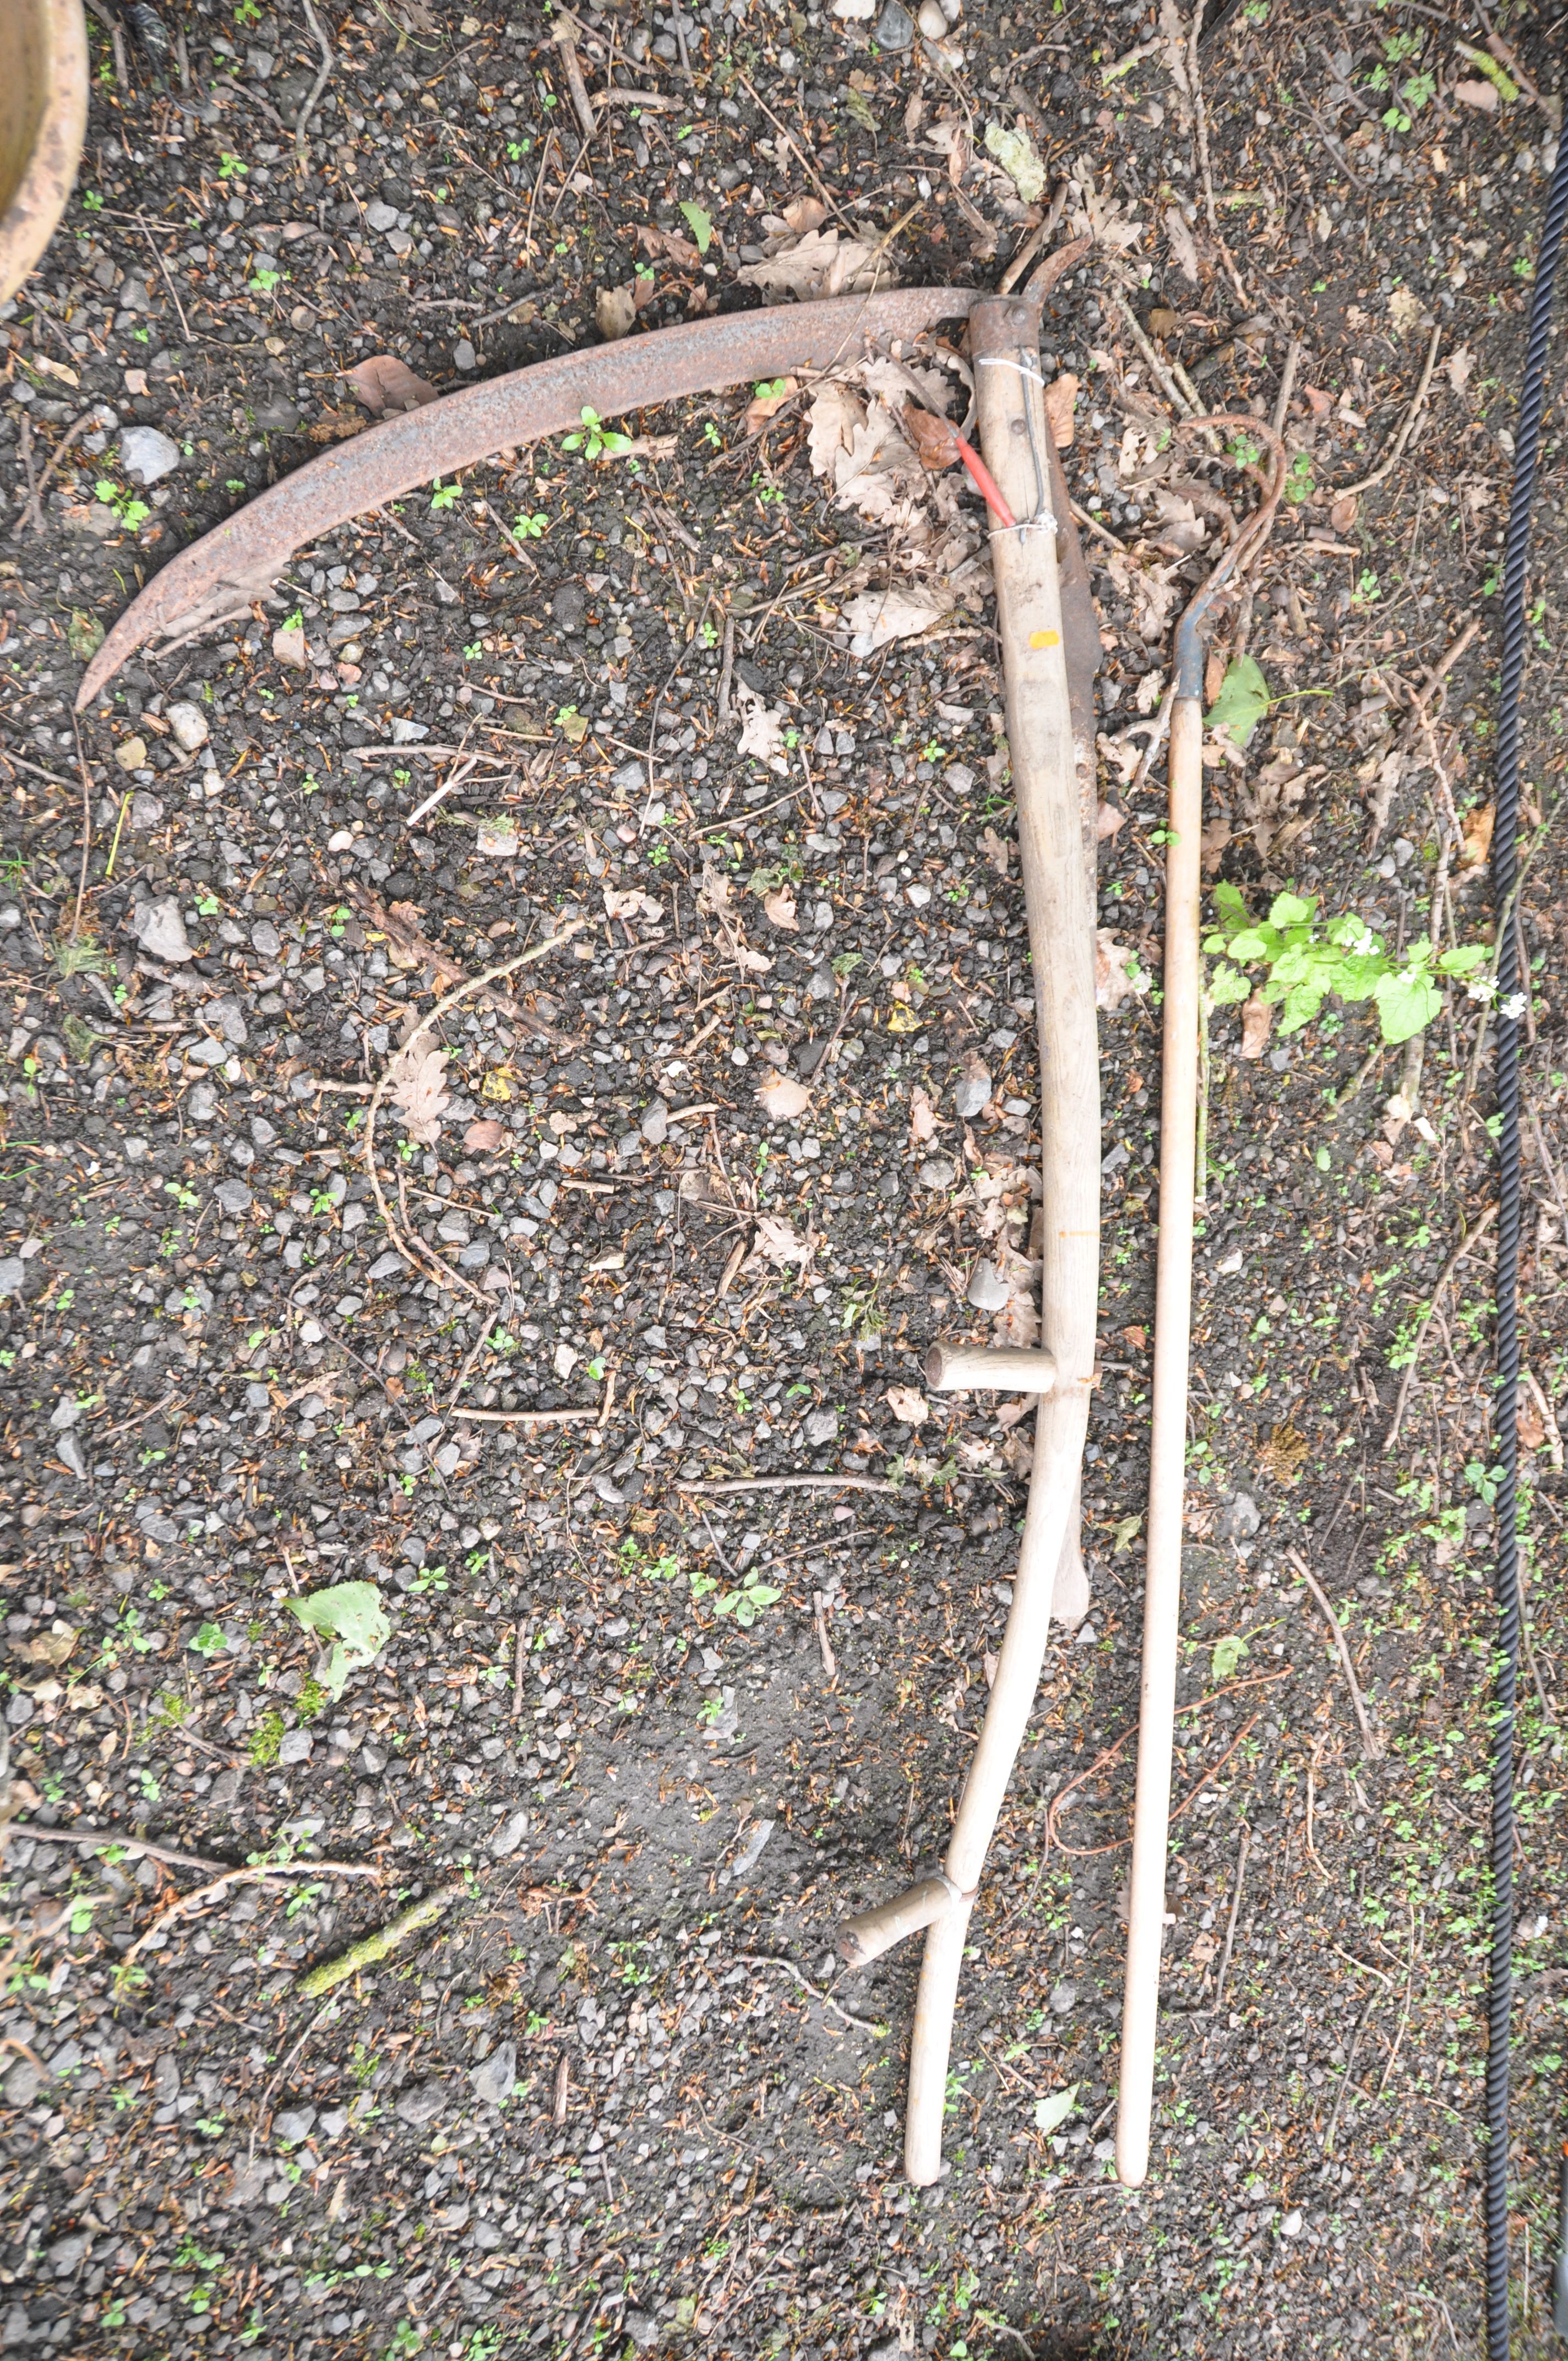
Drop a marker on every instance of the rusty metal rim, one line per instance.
(32, 214)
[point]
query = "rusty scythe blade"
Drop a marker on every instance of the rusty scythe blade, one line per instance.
(237, 562)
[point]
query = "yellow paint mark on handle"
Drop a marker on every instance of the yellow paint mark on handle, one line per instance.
(1044, 638)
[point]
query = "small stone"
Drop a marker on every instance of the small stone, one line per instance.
(22, 2084)
(66, 2253)
(655, 1122)
(233, 1196)
(13, 1271)
(188, 724)
(464, 356)
(131, 754)
(421, 2104)
(1290, 2223)
(821, 1426)
(987, 1289)
(381, 217)
(642, 2330)
(510, 1835)
(146, 810)
(971, 1092)
(894, 29)
(202, 1105)
(295, 1747)
(161, 930)
(1064, 1999)
(1239, 1518)
(278, 416)
(933, 24)
(148, 454)
(937, 1173)
(294, 2124)
(492, 2078)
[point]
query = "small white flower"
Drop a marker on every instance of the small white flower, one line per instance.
(1513, 1008)
(1481, 987)
(1362, 943)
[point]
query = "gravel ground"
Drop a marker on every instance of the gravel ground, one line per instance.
(641, 1744)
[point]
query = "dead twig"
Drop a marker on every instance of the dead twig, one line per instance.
(824, 1999)
(564, 38)
(1370, 1748)
(188, 1906)
(797, 1484)
(1396, 452)
(409, 1244)
(106, 1839)
(303, 126)
(1243, 1850)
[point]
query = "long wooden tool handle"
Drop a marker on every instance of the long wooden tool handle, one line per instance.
(1058, 893)
(1168, 1456)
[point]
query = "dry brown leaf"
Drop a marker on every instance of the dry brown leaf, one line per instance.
(1060, 396)
(899, 613)
(1342, 515)
(385, 384)
(1476, 843)
(804, 214)
(764, 406)
(780, 907)
(668, 242)
(1108, 819)
(782, 1098)
(1460, 368)
(820, 264)
(1257, 1023)
(997, 849)
(614, 313)
(1532, 1426)
(335, 426)
(416, 1084)
(1114, 970)
(51, 1648)
(908, 1406)
(631, 902)
(1481, 95)
(779, 1243)
(762, 726)
(1183, 251)
(922, 1116)
(483, 1138)
(713, 892)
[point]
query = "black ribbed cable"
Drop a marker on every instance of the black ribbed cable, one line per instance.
(1504, 873)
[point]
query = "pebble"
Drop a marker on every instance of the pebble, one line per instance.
(933, 24)
(22, 2084)
(293, 2124)
(381, 217)
(493, 2078)
(510, 1835)
(421, 2104)
(937, 1173)
(1239, 1518)
(655, 1124)
(821, 1426)
(987, 1289)
(894, 29)
(148, 454)
(161, 930)
(131, 754)
(188, 724)
(295, 1747)
(971, 1092)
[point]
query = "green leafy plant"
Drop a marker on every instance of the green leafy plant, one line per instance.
(444, 496)
(351, 1616)
(699, 223)
(596, 441)
(230, 168)
(531, 528)
(1228, 1654)
(266, 1739)
(748, 1602)
(1298, 478)
(1306, 962)
(1243, 701)
(132, 513)
(209, 1640)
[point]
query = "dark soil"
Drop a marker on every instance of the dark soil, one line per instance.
(616, 2097)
